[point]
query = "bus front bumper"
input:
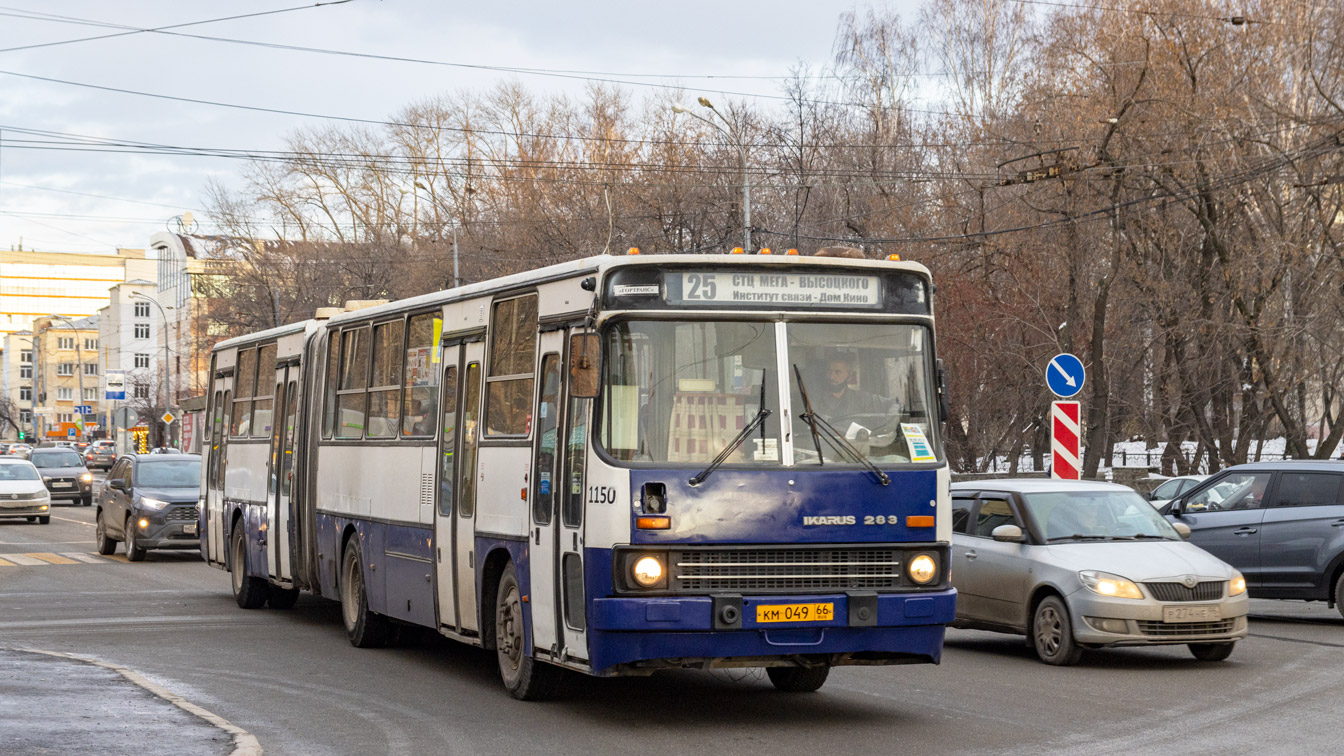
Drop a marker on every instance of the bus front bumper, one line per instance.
(627, 634)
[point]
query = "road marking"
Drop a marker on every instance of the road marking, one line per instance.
(24, 560)
(67, 519)
(86, 558)
(4, 563)
(52, 558)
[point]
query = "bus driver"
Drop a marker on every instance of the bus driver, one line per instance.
(840, 401)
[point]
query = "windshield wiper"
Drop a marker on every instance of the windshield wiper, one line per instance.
(1079, 537)
(823, 429)
(756, 422)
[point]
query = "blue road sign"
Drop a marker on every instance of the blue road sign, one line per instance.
(70, 433)
(1065, 375)
(84, 409)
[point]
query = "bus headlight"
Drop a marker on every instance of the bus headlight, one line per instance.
(923, 569)
(647, 571)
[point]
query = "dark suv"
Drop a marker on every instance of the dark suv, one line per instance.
(1280, 523)
(149, 502)
(64, 473)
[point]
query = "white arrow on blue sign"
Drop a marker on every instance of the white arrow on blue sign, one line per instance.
(1065, 375)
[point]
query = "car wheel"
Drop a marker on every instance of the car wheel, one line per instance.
(31, 519)
(798, 679)
(1052, 633)
(106, 545)
(133, 553)
(249, 592)
(44, 520)
(524, 677)
(364, 628)
(87, 500)
(1212, 652)
(282, 598)
(1339, 593)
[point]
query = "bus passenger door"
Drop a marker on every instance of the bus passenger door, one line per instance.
(214, 487)
(467, 479)
(445, 483)
(279, 471)
(573, 463)
(542, 562)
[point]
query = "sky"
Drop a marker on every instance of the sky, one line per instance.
(44, 192)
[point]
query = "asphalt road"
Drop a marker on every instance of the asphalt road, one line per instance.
(292, 679)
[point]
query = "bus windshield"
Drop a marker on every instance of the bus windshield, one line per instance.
(866, 383)
(682, 391)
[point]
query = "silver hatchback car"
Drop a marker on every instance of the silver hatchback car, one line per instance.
(1076, 565)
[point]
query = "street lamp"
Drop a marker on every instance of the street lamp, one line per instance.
(417, 184)
(741, 153)
(167, 376)
(79, 367)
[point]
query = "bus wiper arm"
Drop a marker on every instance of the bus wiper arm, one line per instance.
(822, 429)
(699, 477)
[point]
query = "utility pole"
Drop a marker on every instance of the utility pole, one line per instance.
(167, 376)
(79, 370)
(741, 153)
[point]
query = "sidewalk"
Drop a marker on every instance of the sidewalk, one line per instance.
(56, 704)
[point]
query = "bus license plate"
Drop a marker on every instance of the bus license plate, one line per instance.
(1205, 613)
(189, 528)
(795, 612)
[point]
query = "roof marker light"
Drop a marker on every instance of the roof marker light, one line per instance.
(765, 251)
(633, 251)
(738, 251)
(791, 251)
(894, 256)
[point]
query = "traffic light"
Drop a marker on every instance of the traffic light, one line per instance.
(20, 435)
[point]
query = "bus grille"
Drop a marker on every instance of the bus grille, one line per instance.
(1180, 629)
(778, 570)
(1211, 590)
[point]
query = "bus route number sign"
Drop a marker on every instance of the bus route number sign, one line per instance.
(774, 289)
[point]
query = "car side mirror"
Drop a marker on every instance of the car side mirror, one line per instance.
(1182, 529)
(117, 485)
(1008, 534)
(1174, 507)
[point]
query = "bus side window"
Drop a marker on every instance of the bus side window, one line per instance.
(223, 441)
(385, 387)
(354, 380)
(548, 427)
(329, 385)
(264, 396)
(421, 377)
(513, 353)
(448, 445)
(243, 387)
(571, 513)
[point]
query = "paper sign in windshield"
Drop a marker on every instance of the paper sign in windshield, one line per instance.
(920, 450)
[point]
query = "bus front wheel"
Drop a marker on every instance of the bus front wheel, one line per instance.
(364, 628)
(798, 679)
(525, 678)
(249, 592)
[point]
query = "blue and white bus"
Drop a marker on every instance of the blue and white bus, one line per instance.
(614, 465)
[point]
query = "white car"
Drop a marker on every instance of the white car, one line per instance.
(1173, 487)
(22, 493)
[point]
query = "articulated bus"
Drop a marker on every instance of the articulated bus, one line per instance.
(614, 465)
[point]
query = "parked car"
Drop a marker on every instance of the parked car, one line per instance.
(19, 450)
(1076, 565)
(149, 502)
(22, 493)
(1173, 487)
(4, 448)
(100, 457)
(1280, 523)
(64, 474)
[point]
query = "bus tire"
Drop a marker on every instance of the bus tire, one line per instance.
(107, 546)
(133, 553)
(249, 592)
(282, 598)
(524, 677)
(364, 628)
(798, 679)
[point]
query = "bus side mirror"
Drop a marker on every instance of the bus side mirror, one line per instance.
(583, 363)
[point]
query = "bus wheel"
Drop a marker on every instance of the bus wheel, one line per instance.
(798, 679)
(364, 628)
(249, 592)
(524, 677)
(282, 598)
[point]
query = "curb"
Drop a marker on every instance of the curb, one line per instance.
(244, 742)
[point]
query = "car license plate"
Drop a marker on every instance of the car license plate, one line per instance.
(15, 504)
(61, 485)
(1203, 613)
(189, 528)
(795, 612)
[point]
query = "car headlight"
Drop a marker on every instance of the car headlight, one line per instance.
(922, 569)
(1111, 586)
(87, 477)
(149, 503)
(647, 571)
(1237, 585)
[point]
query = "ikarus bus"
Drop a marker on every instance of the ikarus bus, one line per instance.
(615, 465)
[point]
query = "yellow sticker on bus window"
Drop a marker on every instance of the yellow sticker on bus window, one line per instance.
(920, 450)
(438, 334)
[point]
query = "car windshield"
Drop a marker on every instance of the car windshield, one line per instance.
(64, 458)
(178, 473)
(682, 391)
(1068, 515)
(868, 383)
(18, 472)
